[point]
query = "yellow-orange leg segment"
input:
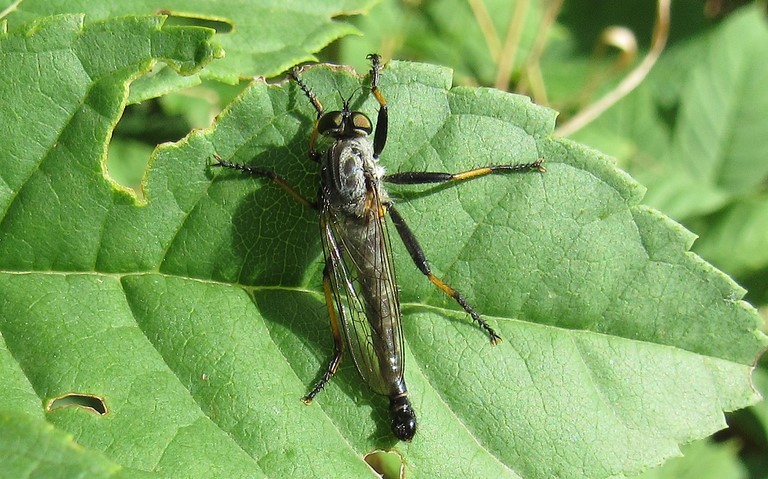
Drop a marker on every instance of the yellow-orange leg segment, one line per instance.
(338, 341)
(423, 177)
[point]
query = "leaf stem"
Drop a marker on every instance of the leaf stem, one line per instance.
(10, 8)
(486, 26)
(506, 58)
(630, 82)
(533, 77)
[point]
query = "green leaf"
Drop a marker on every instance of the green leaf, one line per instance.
(260, 37)
(718, 136)
(760, 410)
(711, 89)
(197, 314)
(693, 134)
(30, 447)
(737, 240)
(750, 426)
(702, 460)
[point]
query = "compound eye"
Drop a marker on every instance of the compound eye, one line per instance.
(362, 122)
(329, 123)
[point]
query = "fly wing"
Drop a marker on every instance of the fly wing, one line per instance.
(357, 251)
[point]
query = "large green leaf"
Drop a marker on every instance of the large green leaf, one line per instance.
(197, 317)
(263, 37)
(695, 134)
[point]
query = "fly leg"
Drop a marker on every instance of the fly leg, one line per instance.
(382, 120)
(420, 259)
(423, 177)
(313, 153)
(267, 174)
(338, 342)
(412, 244)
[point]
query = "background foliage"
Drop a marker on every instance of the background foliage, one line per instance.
(144, 281)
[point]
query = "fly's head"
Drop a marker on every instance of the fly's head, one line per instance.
(344, 124)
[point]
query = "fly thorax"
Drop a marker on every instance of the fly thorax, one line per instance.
(349, 170)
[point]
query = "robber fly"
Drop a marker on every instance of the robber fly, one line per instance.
(358, 279)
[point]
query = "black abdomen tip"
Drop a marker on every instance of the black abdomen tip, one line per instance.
(403, 418)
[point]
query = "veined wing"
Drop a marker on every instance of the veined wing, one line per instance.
(357, 251)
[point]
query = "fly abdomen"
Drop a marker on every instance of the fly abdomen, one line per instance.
(403, 416)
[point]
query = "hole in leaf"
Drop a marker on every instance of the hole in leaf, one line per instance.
(387, 464)
(88, 402)
(177, 19)
(126, 162)
(145, 125)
